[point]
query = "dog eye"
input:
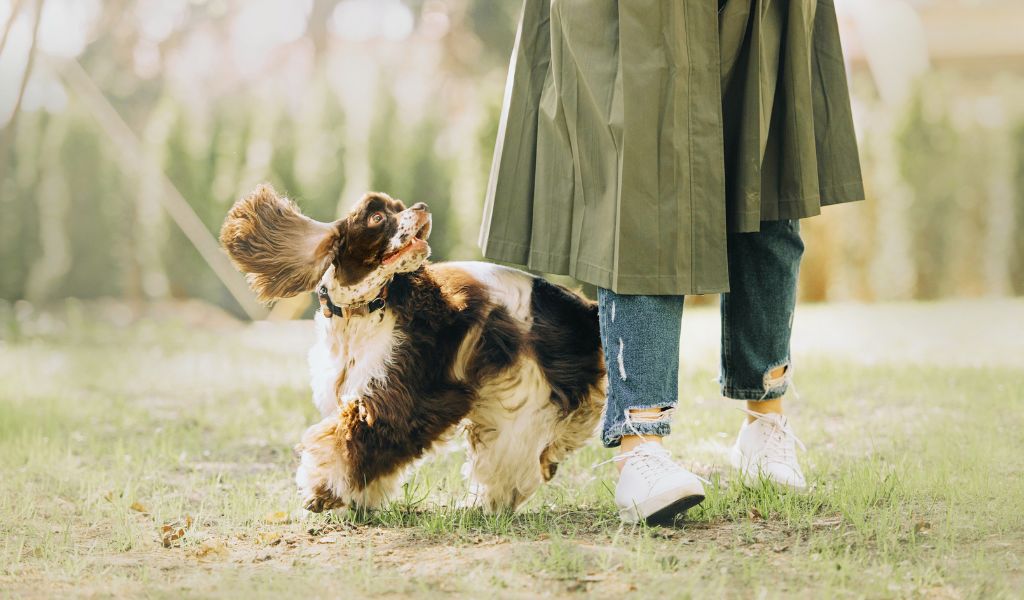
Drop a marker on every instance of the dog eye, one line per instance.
(376, 218)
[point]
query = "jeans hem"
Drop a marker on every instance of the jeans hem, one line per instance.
(772, 386)
(753, 395)
(612, 438)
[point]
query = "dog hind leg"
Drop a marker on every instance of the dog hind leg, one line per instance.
(504, 473)
(506, 449)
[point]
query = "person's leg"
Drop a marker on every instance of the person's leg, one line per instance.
(757, 320)
(640, 335)
(757, 313)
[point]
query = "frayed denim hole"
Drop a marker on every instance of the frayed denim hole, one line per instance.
(663, 416)
(776, 383)
(658, 424)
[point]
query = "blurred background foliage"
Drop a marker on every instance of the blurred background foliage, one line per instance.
(327, 99)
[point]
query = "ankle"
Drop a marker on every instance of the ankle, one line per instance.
(764, 407)
(629, 442)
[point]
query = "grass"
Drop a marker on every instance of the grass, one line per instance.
(109, 433)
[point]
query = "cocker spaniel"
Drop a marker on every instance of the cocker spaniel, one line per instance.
(409, 353)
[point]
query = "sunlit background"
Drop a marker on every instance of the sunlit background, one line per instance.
(130, 126)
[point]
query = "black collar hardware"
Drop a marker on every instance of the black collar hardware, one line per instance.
(331, 309)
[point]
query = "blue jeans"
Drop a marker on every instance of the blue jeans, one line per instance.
(640, 334)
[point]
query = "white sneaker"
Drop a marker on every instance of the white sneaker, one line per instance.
(767, 448)
(653, 488)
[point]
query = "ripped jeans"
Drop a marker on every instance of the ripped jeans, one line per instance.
(640, 334)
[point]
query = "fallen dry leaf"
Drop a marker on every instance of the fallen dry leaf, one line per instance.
(754, 514)
(169, 535)
(138, 507)
(172, 532)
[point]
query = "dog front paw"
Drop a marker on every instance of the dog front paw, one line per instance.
(320, 500)
(322, 477)
(316, 487)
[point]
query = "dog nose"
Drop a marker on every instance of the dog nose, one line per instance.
(419, 206)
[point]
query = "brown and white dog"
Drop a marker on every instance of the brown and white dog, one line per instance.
(407, 351)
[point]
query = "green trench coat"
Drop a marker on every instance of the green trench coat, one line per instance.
(635, 133)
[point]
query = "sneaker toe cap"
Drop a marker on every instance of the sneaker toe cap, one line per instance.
(785, 475)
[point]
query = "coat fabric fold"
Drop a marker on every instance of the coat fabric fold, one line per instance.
(636, 133)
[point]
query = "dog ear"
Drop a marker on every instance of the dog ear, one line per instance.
(282, 251)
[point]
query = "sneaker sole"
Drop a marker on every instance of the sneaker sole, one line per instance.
(661, 513)
(668, 514)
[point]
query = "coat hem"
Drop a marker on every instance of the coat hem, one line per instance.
(800, 207)
(554, 263)
(851, 191)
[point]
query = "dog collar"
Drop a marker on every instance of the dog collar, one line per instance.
(331, 309)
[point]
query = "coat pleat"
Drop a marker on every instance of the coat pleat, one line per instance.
(636, 133)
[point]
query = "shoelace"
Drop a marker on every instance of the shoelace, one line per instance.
(777, 449)
(658, 458)
(652, 462)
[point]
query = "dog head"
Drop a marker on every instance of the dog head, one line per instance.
(285, 253)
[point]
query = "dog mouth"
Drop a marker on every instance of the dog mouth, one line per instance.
(417, 242)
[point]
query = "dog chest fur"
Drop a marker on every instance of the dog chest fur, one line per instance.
(350, 354)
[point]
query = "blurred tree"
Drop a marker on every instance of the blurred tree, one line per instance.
(927, 143)
(407, 166)
(1017, 258)
(96, 213)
